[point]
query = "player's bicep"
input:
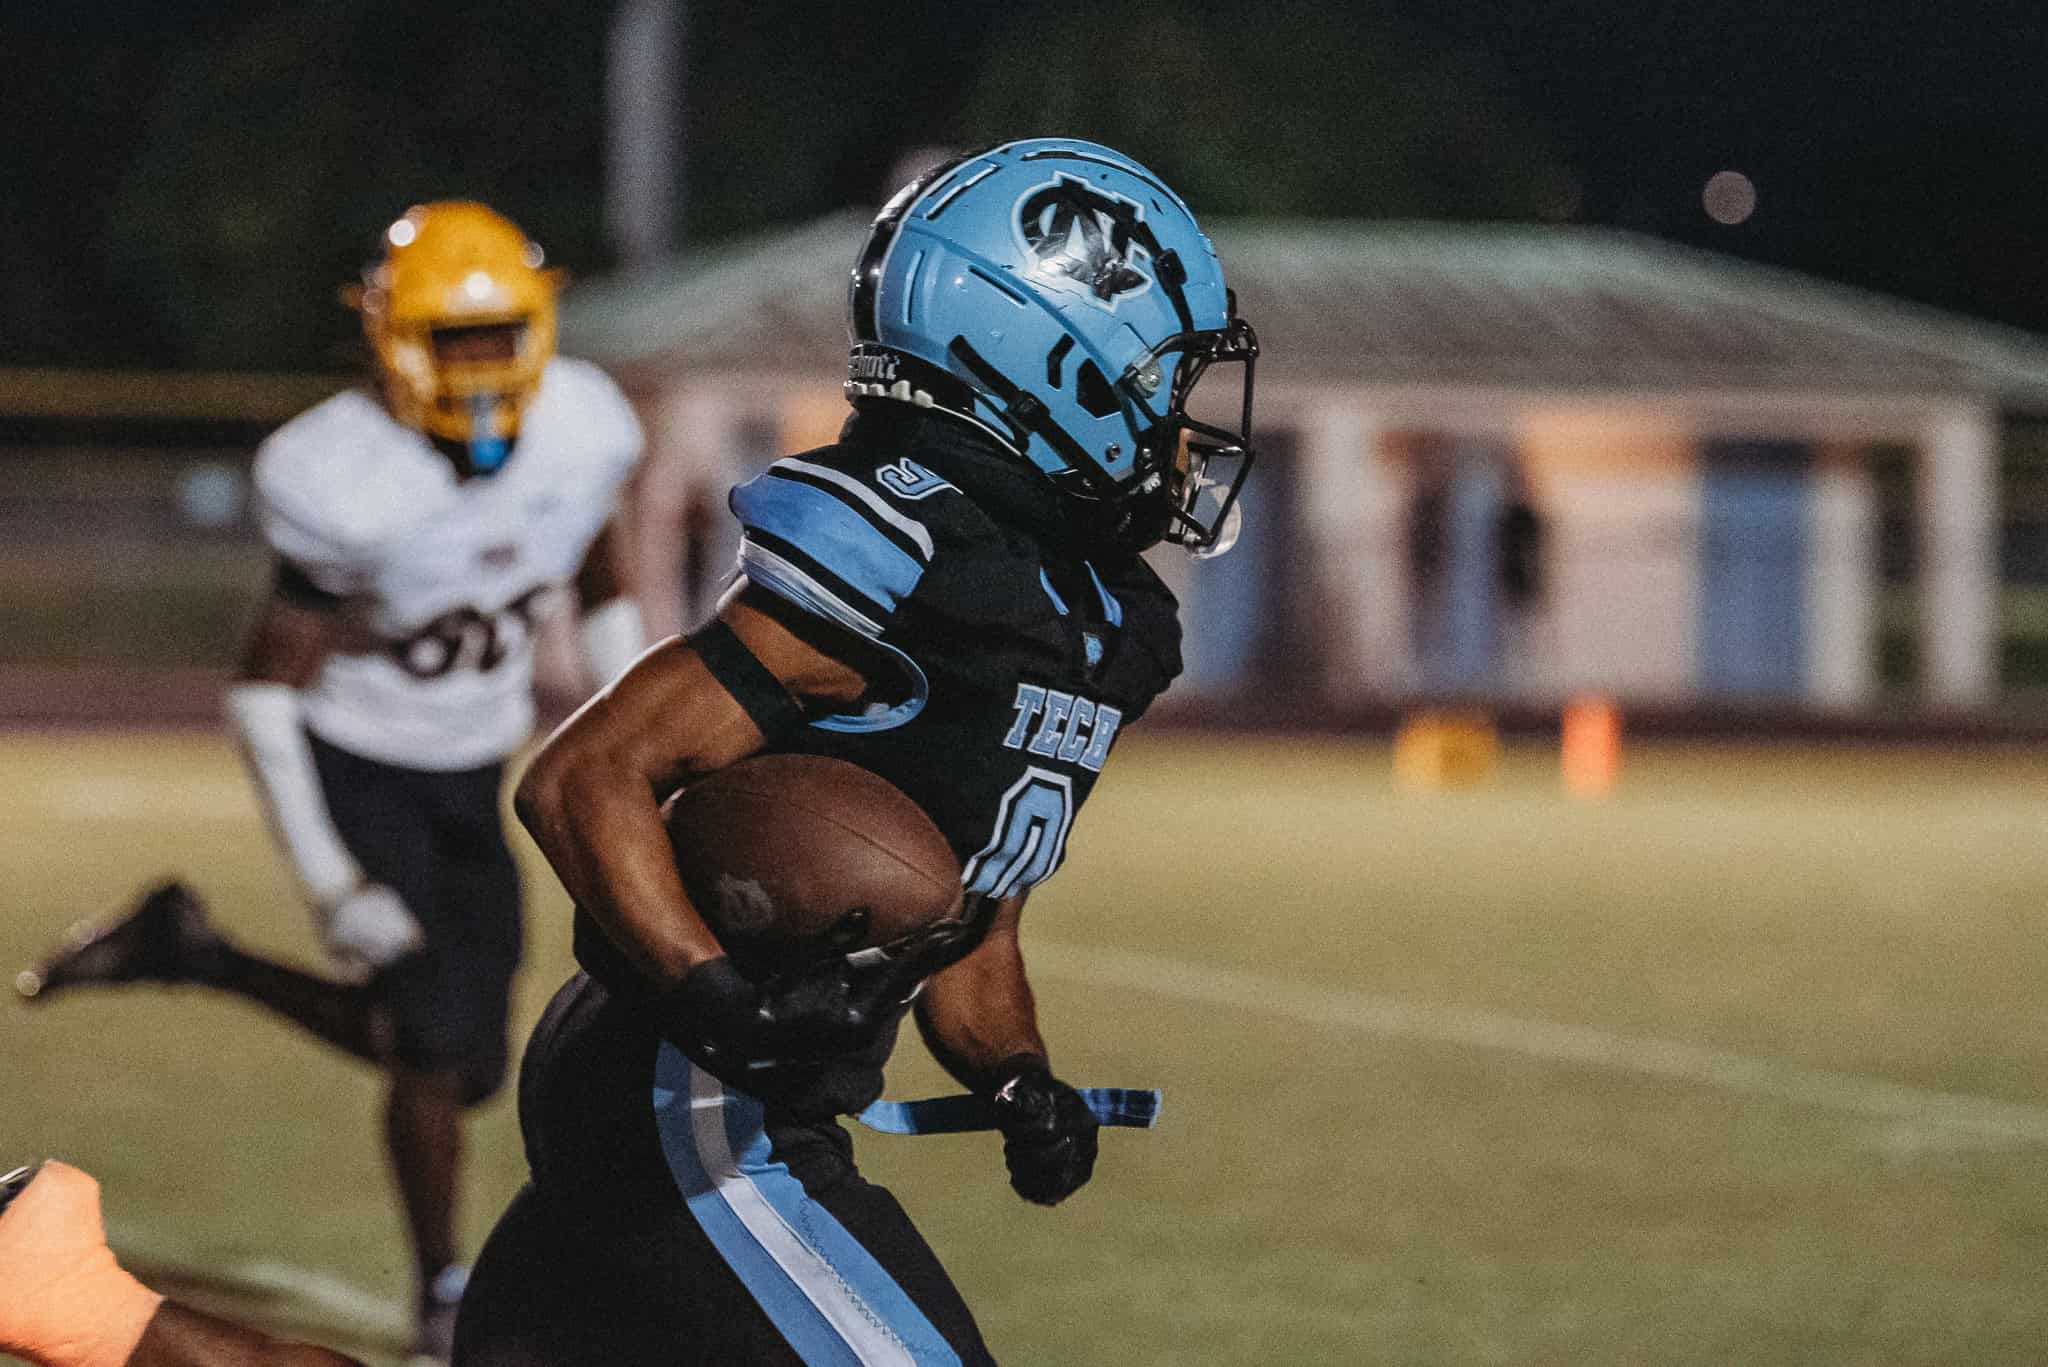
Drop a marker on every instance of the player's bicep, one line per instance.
(823, 666)
(294, 631)
(691, 706)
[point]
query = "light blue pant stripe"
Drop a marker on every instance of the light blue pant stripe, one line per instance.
(819, 1286)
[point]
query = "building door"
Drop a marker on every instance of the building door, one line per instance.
(1753, 553)
(1455, 526)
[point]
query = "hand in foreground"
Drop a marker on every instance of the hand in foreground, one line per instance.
(1049, 1134)
(67, 1301)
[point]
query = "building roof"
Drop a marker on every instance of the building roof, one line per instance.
(1389, 301)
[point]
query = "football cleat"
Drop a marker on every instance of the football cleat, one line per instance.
(163, 940)
(434, 1340)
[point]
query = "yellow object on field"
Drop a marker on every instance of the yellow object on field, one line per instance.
(1589, 748)
(1445, 749)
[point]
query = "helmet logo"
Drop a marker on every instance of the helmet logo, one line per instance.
(1078, 235)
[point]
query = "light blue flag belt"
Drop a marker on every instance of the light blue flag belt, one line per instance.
(1132, 1107)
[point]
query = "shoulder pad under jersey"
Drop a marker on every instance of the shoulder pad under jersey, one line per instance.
(335, 483)
(581, 411)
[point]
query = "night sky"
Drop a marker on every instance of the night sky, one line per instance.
(183, 179)
(1902, 146)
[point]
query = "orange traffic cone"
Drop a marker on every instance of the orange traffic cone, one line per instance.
(1590, 749)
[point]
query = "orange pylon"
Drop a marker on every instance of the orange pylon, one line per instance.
(1590, 747)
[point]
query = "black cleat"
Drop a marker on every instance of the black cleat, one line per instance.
(162, 940)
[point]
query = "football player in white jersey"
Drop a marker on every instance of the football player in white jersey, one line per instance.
(420, 528)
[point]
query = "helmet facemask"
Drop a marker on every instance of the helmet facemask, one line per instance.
(482, 380)
(1199, 451)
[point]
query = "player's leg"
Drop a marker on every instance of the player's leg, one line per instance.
(831, 1258)
(166, 938)
(599, 1261)
(449, 1010)
(820, 1157)
(530, 1297)
(383, 815)
(718, 1243)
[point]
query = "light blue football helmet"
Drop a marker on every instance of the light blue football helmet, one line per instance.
(1057, 294)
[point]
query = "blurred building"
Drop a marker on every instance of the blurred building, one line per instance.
(131, 559)
(1496, 461)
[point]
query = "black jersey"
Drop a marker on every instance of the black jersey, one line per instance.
(1020, 655)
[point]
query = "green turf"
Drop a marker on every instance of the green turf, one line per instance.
(1316, 1194)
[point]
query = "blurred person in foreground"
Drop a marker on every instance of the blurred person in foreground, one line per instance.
(68, 1303)
(951, 596)
(421, 525)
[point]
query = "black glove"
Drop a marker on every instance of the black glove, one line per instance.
(828, 1009)
(1048, 1132)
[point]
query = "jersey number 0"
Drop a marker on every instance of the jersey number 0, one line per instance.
(1030, 838)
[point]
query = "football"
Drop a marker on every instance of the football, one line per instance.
(789, 856)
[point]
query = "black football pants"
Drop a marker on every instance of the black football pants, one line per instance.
(671, 1220)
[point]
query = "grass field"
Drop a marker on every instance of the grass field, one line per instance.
(1745, 1066)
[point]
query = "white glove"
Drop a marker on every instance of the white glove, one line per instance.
(366, 929)
(613, 637)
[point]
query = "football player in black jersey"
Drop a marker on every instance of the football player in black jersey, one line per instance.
(952, 597)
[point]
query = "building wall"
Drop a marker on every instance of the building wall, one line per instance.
(1619, 492)
(1616, 479)
(1843, 577)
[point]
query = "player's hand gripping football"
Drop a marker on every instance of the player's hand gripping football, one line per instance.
(1049, 1134)
(831, 1006)
(828, 1009)
(367, 928)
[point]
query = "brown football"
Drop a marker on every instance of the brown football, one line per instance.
(787, 854)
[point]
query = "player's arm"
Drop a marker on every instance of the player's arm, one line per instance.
(978, 1015)
(180, 1336)
(688, 707)
(612, 630)
(365, 925)
(979, 1020)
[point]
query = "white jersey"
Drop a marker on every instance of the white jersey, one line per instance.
(440, 576)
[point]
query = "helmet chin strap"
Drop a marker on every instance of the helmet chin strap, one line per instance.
(487, 451)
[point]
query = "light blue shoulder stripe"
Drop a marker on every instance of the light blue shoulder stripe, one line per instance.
(827, 531)
(775, 572)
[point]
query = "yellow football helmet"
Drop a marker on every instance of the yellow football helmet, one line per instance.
(460, 318)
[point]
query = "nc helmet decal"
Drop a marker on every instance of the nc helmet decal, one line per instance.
(1078, 238)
